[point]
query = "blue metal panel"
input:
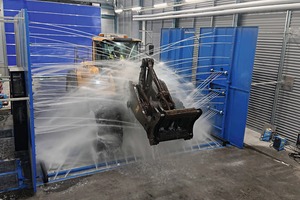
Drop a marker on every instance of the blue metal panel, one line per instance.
(225, 64)
(229, 52)
(177, 49)
(28, 80)
(19, 175)
(56, 30)
(239, 92)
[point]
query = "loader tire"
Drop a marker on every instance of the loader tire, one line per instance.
(71, 81)
(45, 177)
(177, 102)
(110, 130)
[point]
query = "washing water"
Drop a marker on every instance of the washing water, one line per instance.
(91, 124)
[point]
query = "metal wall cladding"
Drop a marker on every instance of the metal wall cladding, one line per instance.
(224, 2)
(226, 57)
(223, 21)
(268, 51)
(177, 48)
(288, 110)
(56, 30)
(108, 25)
(198, 22)
(186, 22)
(225, 63)
(125, 23)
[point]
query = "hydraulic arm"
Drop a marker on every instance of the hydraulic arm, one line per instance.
(163, 117)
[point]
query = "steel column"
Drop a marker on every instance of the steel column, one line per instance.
(281, 64)
(212, 17)
(144, 32)
(195, 53)
(142, 26)
(176, 21)
(235, 21)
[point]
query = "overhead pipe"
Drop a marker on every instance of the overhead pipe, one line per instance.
(223, 7)
(271, 8)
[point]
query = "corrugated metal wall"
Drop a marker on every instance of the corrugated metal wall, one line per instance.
(107, 20)
(267, 62)
(288, 113)
(268, 50)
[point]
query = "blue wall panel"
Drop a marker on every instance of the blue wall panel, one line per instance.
(228, 53)
(239, 89)
(225, 64)
(56, 30)
(177, 47)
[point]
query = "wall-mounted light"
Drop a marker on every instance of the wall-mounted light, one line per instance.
(136, 8)
(160, 5)
(118, 11)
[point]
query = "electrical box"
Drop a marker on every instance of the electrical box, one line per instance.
(279, 143)
(19, 108)
(267, 135)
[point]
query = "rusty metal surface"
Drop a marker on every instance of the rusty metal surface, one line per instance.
(155, 109)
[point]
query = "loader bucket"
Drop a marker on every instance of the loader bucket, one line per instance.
(175, 124)
(161, 125)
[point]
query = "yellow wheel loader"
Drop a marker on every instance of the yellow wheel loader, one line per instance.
(105, 47)
(164, 118)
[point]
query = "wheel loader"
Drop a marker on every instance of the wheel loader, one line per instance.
(164, 118)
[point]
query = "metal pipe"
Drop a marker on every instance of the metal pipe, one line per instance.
(223, 7)
(272, 8)
(266, 83)
(15, 99)
(144, 32)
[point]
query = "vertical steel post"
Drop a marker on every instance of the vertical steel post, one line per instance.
(142, 26)
(235, 20)
(116, 23)
(196, 52)
(212, 17)
(144, 32)
(17, 43)
(281, 64)
(27, 61)
(116, 18)
(176, 20)
(3, 52)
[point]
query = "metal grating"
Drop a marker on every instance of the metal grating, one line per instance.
(7, 148)
(8, 181)
(268, 50)
(7, 166)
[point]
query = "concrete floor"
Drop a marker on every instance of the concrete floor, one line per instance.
(226, 173)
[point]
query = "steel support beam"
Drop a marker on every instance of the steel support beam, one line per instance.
(212, 17)
(235, 21)
(142, 26)
(196, 50)
(176, 21)
(144, 32)
(281, 64)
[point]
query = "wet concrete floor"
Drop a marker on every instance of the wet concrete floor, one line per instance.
(226, 173)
